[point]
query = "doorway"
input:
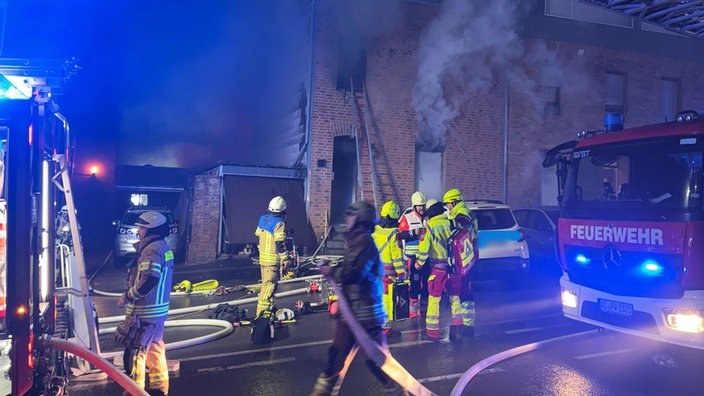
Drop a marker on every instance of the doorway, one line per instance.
(344, 177)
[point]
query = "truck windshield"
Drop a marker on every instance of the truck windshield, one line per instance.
(637, 180)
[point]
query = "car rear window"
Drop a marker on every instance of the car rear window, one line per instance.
(131, 217)
(494, 219)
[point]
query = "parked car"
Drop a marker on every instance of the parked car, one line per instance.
(539, 227)
(126, 229)
(503, 251)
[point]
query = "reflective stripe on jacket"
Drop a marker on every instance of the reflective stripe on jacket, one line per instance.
(386, 241)
(410, 222)
(156, 260)
(271, 231)
(434, 245)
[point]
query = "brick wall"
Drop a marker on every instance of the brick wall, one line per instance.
(474, 158)
(205, 218)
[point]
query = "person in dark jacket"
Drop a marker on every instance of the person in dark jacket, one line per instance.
(360, 275)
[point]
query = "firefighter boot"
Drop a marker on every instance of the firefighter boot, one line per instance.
(156, 392)
(456, 333)
(324, 385)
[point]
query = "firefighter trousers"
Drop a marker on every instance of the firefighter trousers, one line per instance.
(467, 300)
(270, 280)
(150, 355)
(342, 344)
(438, 282)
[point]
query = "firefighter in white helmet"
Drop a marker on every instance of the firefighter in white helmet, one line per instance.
(271, 231)
(387, 242)
(147, 301)
(411, 228)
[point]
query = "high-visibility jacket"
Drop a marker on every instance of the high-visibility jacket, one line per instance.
(386, 241)
(271, 231)
(150, 280)
(461, 217)
(433, 246)
(408, 223)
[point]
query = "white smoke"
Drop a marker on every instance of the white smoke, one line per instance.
(464, 46)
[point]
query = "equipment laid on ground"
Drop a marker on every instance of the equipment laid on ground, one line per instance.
(229, 313)
(186, 286)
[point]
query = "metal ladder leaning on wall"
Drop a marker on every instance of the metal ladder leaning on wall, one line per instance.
(366, 174)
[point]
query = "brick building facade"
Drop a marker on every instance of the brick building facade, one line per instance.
(495, 144)
(555, 80)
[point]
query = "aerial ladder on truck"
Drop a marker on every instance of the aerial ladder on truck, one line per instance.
(45, 307)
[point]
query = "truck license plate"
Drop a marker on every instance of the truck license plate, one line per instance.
(615, 307)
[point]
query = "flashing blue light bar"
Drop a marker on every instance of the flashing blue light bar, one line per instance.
(651, 267)
(613, 122)
(582, 259)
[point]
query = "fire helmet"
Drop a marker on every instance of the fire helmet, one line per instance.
(418, 198)
(452, 195)
(391, 210)
(277, 205)
(431, 202)
(150, 219)
(364, 211)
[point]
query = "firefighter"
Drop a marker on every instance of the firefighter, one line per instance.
(386, 239)
(147, 301)
(461, 217)
(271, 231)
(432, 252)
(411, 228)
(360, 275)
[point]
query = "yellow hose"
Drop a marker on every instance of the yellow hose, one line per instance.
(187, 287)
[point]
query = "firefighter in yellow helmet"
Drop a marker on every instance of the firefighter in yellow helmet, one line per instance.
(432, 252)
(147, 301)
(271, 231)
(411, 228)
(461, 217)
(386, 240)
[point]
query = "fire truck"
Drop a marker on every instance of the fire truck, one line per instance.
(630, 237)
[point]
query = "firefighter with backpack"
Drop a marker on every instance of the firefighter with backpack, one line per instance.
(433, 252)
(461, 218)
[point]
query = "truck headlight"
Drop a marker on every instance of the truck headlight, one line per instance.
(685, 320)
(569, 298)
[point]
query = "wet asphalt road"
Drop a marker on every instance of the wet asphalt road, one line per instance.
(590, 363)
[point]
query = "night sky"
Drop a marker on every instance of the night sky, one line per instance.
(171, 83)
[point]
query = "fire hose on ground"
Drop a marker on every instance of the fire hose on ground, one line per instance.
(98, 361)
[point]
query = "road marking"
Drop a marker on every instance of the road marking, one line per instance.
(245, 365)
(458, 375)
(285, 347)
(530, 329)
(251, 351)
(602, 354)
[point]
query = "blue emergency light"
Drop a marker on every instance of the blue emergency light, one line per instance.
(613, 122)
(651, 267)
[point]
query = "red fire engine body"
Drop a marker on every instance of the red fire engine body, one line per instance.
(630, 236)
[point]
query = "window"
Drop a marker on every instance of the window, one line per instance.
(670, 98)
(571, 9)
(615, 92)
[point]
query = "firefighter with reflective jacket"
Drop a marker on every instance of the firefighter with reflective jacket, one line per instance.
(360, 276)
(386, 240)
(147, 301)
(411, 228)
(432, 252)
(461, 217)
(271, 231)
